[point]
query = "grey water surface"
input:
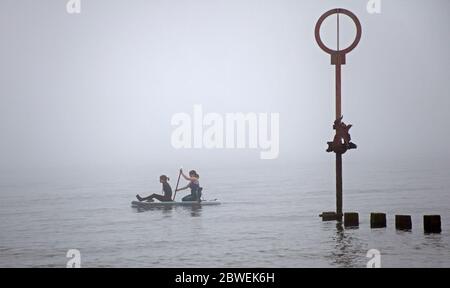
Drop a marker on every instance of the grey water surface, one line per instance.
(269, 218)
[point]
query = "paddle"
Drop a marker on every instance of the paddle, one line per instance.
(178, 182)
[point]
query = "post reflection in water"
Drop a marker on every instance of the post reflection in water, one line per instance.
(349, 251)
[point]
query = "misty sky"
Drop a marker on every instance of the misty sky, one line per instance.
(100, 88)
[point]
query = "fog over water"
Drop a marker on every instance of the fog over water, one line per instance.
(101, 87)
(87, 100)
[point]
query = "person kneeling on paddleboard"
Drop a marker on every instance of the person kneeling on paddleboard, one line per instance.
(194, 185)
(166, 189)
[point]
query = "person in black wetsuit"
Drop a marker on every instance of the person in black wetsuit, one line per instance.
(194, 185)
(166, 189)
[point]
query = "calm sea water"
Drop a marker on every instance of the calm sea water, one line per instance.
(269, 218)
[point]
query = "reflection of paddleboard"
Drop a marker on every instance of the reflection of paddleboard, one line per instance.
(137, 204)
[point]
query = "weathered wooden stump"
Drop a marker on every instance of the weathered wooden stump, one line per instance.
(377, 220)
(432, 223)
(351, 219)
(403, 222)
(328, 216)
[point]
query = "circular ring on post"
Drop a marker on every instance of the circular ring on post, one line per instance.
(358, 31)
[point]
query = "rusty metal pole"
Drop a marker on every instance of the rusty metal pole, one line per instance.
(339, 198)
(338, 58)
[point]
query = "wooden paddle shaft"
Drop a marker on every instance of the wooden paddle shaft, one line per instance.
(176, 188)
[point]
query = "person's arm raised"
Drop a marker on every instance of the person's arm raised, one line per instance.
(184, 176)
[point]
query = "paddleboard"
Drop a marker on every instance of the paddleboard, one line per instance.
(137, 204)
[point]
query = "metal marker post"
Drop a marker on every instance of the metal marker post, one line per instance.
(341, 142)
